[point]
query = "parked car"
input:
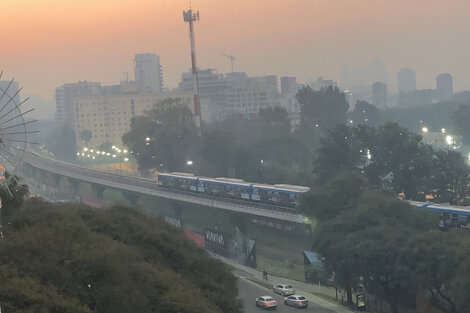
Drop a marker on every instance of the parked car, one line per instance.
(297, 301)
(266, 302)
(284, 289)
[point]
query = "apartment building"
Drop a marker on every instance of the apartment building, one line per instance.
(108, 116)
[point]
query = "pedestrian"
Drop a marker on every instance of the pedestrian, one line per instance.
(265, 275)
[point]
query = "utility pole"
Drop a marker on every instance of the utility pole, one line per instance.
(231, 57)
(191, 17)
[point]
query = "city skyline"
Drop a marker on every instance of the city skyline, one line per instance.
(64, 42)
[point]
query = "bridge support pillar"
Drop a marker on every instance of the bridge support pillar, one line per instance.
(98, 191)
(132, 197)
(74, 183)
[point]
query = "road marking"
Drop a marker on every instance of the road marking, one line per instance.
(253, 283)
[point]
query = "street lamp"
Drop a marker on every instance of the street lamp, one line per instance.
(189, 163)
(449, 140)
(424, 129)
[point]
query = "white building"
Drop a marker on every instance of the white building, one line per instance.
(232, 94)
(64, 99)
(108, 116)
(148, 72)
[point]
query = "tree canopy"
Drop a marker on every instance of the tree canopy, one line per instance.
(390, 156)
(326, 107)
(368, 237)
(78, 259)
(165, 138)
(460, 124)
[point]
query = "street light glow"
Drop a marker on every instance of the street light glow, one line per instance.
(189, 162)
(147, 139)
(449, 139)
(424, 129)
(126, 159)
(443, 130)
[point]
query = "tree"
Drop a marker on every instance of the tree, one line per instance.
(218, 152)
(274, 122)
(326, 107)
(365, 113)
(86, 136)
(119, 261)
(460, 284)
(62, 143)
(339, 152)
(165, 138)
(392, 157)
(12, 194)
(449, 177)
(434, 258)
(460, 124)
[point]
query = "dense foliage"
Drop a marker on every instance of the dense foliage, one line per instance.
(265, 148)
(367, 237)
(77, 259)
(460, 123)
(391, 156)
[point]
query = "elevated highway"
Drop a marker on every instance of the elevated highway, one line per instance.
(150, 187)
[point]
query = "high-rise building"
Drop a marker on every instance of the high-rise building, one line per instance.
(288, 85)
(248, 96)
(235, 93)
(64, 99)
(379, 94)
(444, 86)
(148, 72)
(406, 80)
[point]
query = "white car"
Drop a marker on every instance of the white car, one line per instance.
(284, 289)
(297, 301)
(266, 302)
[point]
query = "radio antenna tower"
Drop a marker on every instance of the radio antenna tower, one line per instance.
(191, 17)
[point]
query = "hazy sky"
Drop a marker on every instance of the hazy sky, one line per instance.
(46, 43)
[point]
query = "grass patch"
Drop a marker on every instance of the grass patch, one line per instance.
(280, 269)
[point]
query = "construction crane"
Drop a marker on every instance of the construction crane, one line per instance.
(231, 57)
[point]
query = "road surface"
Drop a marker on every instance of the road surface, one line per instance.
(249, 291)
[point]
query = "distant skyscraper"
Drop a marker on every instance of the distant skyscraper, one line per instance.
(444, 86)
(64, 99)
(379, 94)
(148, 72)
(406, 80)
(288, 85)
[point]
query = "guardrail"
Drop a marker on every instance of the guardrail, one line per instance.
(150, 187)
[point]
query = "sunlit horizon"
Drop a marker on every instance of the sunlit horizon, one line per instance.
(54, 42)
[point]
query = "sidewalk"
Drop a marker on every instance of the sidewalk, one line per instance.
(307, 290)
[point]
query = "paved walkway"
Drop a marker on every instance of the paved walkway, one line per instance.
(307, 290)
